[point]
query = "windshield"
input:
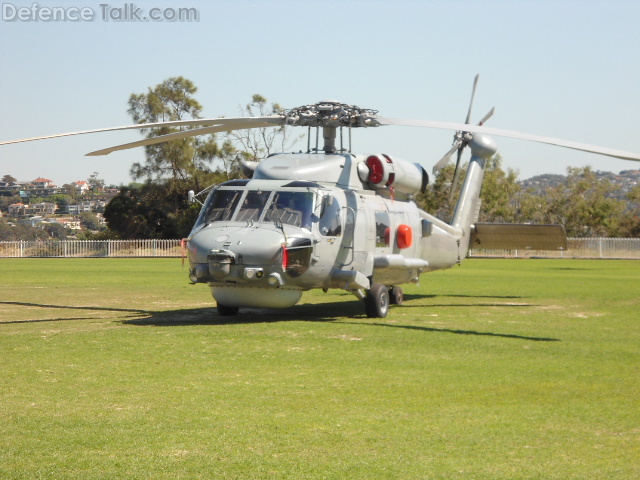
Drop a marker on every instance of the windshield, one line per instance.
(291, 208)
(252, 206)
(287, 207)
(219, 206)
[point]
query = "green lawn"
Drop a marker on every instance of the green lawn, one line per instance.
(498, 369)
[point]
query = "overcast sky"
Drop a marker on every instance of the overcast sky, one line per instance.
(566, 69)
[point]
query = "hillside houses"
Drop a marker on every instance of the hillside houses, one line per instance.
(42, 204)
(41, 187)
(21, 210)
(82, 187)
(86, 206)
(9, 188)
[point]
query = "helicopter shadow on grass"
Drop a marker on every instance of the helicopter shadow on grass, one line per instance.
(469, 304)
(324, 312)
(420, 296)
(127, 311)
(333, 312)
(570, 269)
(321, 312)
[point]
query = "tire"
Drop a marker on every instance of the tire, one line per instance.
(376, 302)
(396, 296)
(226, 311)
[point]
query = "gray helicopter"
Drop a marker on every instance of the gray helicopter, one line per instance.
(332, 219)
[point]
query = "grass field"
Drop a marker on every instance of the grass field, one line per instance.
(498, 369)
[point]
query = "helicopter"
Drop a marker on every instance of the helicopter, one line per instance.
(328, 218)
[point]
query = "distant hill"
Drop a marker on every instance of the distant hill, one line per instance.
(624, 181)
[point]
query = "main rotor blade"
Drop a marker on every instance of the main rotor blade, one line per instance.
(177, 123)
(609, 152)
(447, 156)
(224, 125)
(473, 94)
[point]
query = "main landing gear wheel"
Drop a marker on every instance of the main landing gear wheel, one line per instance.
(396, 296)
(376, 302)
(227, 311)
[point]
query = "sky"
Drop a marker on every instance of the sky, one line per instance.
(568, 69)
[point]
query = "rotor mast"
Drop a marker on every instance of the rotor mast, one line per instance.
(329, 135)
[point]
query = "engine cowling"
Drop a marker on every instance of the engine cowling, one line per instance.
(381, 172)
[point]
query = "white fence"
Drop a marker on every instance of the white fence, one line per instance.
(620, 248)
(625, 248)
(91, 248)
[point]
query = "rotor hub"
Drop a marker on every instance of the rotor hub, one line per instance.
(331, 114)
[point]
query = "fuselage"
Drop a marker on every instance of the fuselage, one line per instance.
(262, 242)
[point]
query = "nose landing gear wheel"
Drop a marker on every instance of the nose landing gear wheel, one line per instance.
(376, 302)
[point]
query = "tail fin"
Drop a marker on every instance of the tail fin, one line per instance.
(468, 206)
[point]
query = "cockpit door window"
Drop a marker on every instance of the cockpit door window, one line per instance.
(330, 223)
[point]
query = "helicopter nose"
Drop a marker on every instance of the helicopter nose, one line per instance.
(249, 245)
(235, 254)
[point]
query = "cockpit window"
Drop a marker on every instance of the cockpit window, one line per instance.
(220, 206)
(252, 206)
(291, 208)
(287, 207)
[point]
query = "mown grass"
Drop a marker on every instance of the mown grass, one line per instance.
(498, 369)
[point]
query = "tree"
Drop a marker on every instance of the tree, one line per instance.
(56, 231)
(62, 201)
(6, 201)
(231, 156)
(96, 184)
(152, 211)
(258, 143)
(436, 199)
(630, 224)
(499, 193)
(9, 179)
(178, 160)
(69, 190)
(158, 208)
(21, 232)
(584, 204)
(89, 220)
(592, 211)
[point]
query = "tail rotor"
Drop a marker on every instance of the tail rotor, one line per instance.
(460, 140)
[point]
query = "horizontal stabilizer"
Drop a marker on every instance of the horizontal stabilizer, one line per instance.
(518, 236)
